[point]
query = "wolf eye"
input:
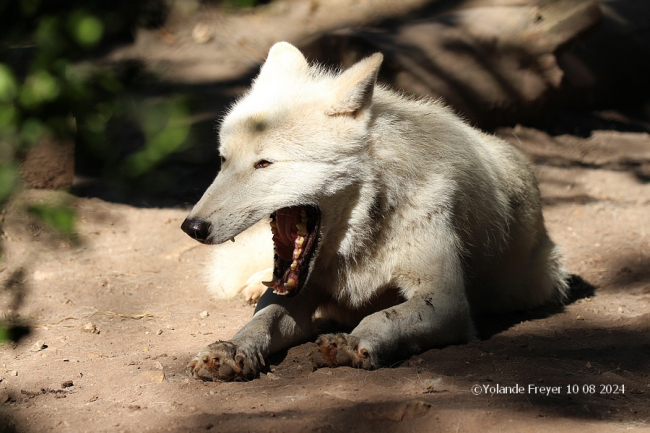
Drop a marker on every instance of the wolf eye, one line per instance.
(262, 164)
(222, 159)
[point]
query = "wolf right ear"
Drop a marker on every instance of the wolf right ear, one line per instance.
(283, 62)
(355, 86)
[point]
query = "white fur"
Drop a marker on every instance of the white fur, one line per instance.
(240, 267)
(412, 199)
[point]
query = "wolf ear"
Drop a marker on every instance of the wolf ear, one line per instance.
(284, 61)
(355, 86)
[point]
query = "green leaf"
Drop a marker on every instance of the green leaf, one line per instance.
(4, 334)
(86, 29)
(60, 218)
(166, 128)
(8, 115)
(8, 86)
(48, 38)
(31, 131)
(8, 180)
(39, 87)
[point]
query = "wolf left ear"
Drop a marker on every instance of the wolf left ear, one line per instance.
(283, 62)
(355, 86)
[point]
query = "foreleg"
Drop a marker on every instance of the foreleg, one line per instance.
(279, 322)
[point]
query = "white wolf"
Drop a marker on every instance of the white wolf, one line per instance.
(389, 215)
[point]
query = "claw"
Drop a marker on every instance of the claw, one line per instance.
(341, 350)
(224, 360)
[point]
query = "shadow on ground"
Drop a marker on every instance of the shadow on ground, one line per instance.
(492, 324)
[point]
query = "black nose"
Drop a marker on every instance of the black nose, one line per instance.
(196, 228)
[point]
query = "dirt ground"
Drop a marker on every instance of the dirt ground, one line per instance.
(137, 279)
(119, 311)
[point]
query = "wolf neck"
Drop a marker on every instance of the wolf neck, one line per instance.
(353, 219)
(348, 222)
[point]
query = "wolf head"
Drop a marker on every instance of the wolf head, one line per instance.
(291, 142)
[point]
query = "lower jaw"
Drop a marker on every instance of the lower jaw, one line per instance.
(290, 275)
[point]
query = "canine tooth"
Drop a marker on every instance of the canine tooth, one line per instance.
(299, 241)
(302, 229)
(274, 230)
(290, 284)
(269, 284)
(273, 224)
(294, 265)
(297, 253)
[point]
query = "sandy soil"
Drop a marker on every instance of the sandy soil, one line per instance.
(138, 279)
(118, 311)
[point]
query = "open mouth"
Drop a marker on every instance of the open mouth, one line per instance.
(295, 233)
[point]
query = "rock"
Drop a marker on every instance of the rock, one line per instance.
(38, 346)
(49, 164)
(90, 328)
(433, 385)
(152, 376)
(492, 64)
(607, 149)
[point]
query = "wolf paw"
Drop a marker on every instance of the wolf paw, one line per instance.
(341, 350)
(223, 360)
(253, 289)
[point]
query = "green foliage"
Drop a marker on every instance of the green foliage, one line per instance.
(58, 217)
(241, 4)
(8, 85)
(166, 128)
(5, 334)
(86, 29)
(8, 179)
(48, 87)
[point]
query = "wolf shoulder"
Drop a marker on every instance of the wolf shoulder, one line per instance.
(422, 138)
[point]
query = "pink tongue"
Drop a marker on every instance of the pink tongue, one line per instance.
(286, 220)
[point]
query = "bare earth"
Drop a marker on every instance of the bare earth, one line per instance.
(138, 279)
(118, 313)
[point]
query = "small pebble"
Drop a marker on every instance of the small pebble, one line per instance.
(432, 385)
(89, 327)
(38, 346)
